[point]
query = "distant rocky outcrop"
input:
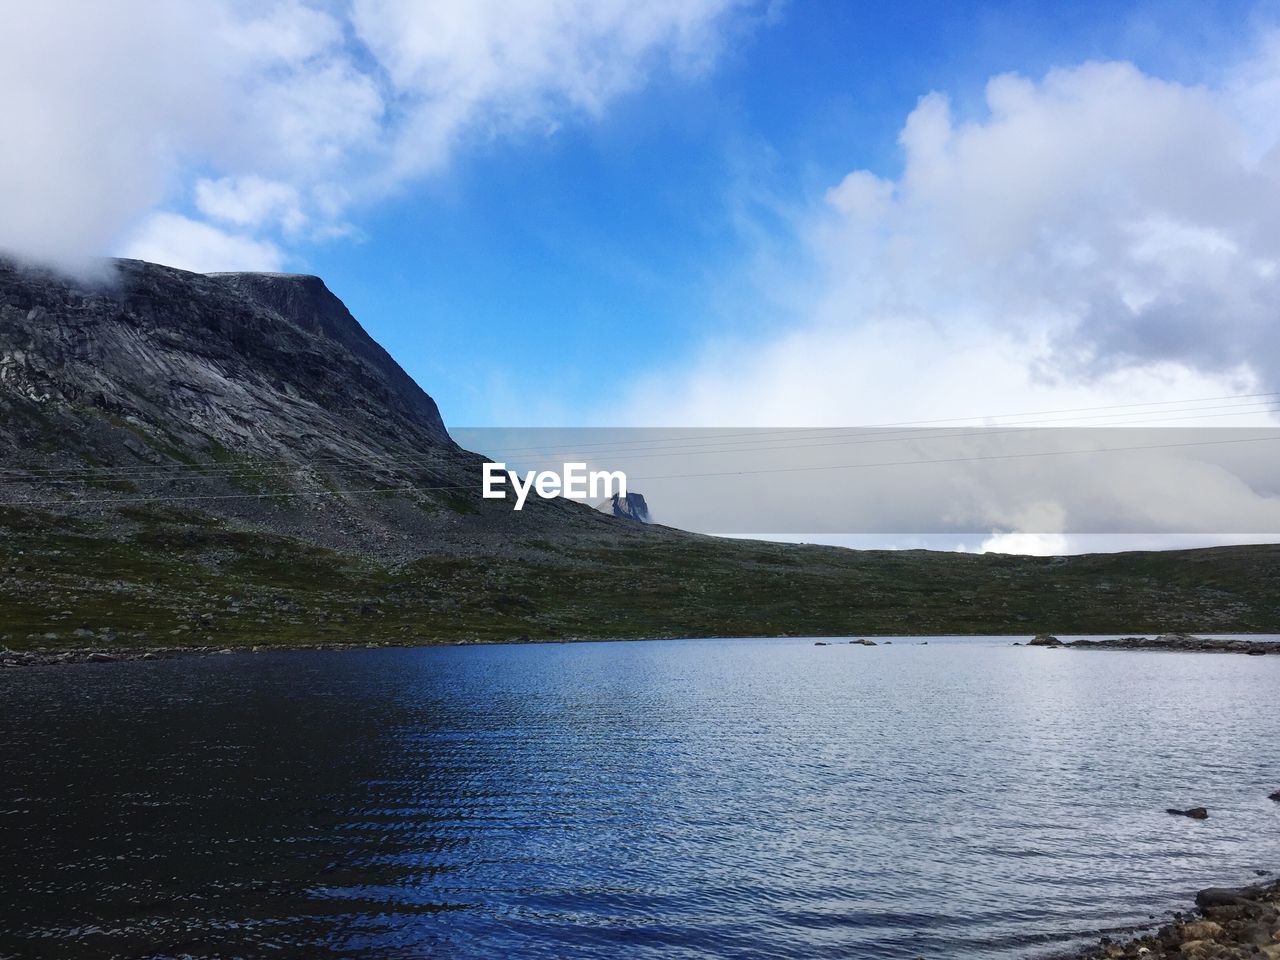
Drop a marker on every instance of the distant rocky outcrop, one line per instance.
(630, 507)
(1182, 642)
(1044, 640)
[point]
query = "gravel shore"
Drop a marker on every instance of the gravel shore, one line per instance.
(40, 658)
(106, 652)
(1229, 922)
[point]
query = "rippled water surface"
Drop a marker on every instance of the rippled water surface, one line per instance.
(717, 798)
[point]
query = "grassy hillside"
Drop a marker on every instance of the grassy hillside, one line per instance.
(170, 577)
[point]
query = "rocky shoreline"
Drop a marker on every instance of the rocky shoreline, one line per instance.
(41, 657)
(1229, 923)
(46, 657)
(112, 653)
(1180, 642)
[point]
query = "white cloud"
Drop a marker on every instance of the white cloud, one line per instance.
(276, 117)
(179, 241)
(1124, 216)
(1098, 233)
(493, 66)
(1042, 546)
(97, 113)
(1096, 236)
(1028, 544)
(894, 370)
(251, 201)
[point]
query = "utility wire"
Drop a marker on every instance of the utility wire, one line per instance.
(1256, 397)
(408, 462)
(677, 476)
(702, 439)
(214, 471)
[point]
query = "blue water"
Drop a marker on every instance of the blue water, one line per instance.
(700, 798)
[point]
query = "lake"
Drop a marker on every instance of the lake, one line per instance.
(962, 798)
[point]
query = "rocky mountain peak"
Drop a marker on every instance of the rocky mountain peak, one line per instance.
(630, 507)
(256, 363)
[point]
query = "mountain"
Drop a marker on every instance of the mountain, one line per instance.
(270, 364)
(253, 396)
(630, 507)
(230, 459)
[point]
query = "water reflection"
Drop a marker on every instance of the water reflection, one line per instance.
(687, 799)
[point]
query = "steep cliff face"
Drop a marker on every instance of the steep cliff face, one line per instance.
(252, 398)
(307, 303)
(262, 364)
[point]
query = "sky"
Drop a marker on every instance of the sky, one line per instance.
(704, 213)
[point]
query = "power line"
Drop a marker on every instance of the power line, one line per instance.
(409, 462)
(212, 471)
(1256, 397)
(678, 476)
(1003, 456)
(753, 433)
(860, 439)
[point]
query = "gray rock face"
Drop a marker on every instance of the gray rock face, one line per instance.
(1183, 642)
(1044, 640)
(266, 364)
(254, 398)
(630, 507)
(1195, 813)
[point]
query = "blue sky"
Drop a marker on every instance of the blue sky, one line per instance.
(701, 213)
(697, 211)
(579, 257)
